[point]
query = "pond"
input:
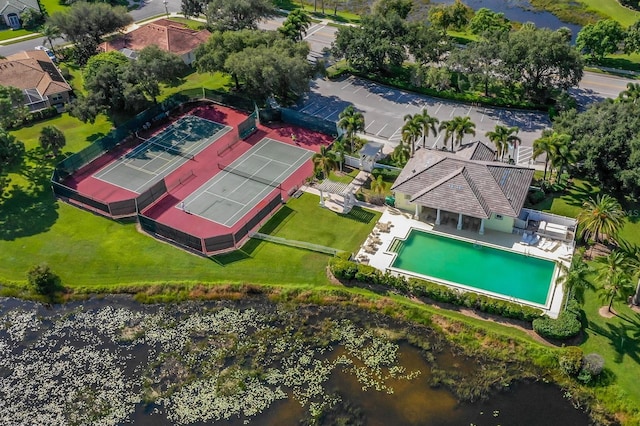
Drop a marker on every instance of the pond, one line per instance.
(111, 361)
(521, 11)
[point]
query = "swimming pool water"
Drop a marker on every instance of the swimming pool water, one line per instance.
(499, 271)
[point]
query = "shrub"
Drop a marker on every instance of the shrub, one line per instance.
(592, 366)
(42, 279)
(570, 360)
(347, 270)
(566, 326)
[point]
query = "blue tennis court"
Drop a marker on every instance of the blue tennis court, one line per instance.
(163, 153)
(244, 183)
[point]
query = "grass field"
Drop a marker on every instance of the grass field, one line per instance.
(614, 10)
(9, 34)
(52, 6)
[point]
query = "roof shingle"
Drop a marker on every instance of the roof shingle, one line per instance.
(456, 183)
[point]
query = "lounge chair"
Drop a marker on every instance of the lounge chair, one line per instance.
(534, 240)
(526, 237)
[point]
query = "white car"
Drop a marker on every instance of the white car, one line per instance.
(48, 52)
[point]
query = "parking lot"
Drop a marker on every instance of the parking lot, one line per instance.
(384, 109)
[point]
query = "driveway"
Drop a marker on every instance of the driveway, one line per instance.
(384, 109)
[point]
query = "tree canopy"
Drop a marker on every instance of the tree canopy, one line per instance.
(84, 24)
(11, 105)
(233, 15)
(600, 39)
(607, 143)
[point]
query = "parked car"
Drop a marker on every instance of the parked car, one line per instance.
(48, 52)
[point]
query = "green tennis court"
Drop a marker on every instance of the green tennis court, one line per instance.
(160, 155)
(241, 185)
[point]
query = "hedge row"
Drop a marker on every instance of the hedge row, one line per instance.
(566, 326)
(354, 272)
(34, 116)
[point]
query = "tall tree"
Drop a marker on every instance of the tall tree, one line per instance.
(614, 277)
(11, 105)
(478, 61)
(564, 155)
(632, 38)
(296, 25)
(607, 140)
(574, 278)
(402, 8)
(52, 139)
(462, 126)
(601, 219)
(154, 66)
(376, 45)
(426, 44)
(631, 94)
(400, 154)
(449, 131)
(352, 122)
(11, 150)
(233, 15)
(84, 24)
(339, 149)
(50, 32)
(540, 61)
(544, 146)
(411, 132)
(212, 55)
(325, 161)
(487, 21)
(600, 39)
(192, 8)
(378, 186)
(503, 137)
(428, 123)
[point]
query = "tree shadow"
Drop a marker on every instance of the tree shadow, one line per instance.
(277, 220)
(244, 253)
(29, 209)
(624, 338)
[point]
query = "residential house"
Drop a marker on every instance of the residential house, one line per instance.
(10, 11)
(167, 35)
(40, 80)
(467, 189)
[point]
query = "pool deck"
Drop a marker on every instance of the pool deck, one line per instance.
(401, 223)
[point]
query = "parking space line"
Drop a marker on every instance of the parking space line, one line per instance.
(439, 106)
(332, 113)
(372, 121)
(468, 111)
(378, 134)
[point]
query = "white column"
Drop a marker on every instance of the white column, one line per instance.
(481, 232)
(417, 215)
(459, 221)
(438, 217)
(321, 199)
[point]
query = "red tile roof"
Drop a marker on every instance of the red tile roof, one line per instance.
(167, 35)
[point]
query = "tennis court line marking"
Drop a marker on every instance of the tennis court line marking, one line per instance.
(171, 164)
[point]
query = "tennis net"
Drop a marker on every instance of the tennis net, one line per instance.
(172, 150)
(249, 176)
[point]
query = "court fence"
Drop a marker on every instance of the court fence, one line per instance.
(119, 136)
(295, 243)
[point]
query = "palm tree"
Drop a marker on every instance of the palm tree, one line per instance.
(601, 219)
(449, 131)
(378, 186)
(50, 32)
(503, 137)
(51, 138)
(544, 145)
(563, 154)
(400, 155)
(632, 254)
(574, 278)
(339, 151)
(428, 123)
(632, 94)
(351, 121)
(615, 279)
(296, 25)
(411, 132)
(324, 160)
(463, 126)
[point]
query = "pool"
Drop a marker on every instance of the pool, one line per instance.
(474, 266)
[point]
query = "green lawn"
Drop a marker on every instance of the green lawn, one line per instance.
(613, 9)
(9, 34)
(303, 219)
(52, 6)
